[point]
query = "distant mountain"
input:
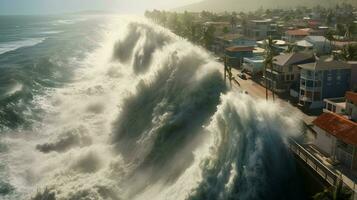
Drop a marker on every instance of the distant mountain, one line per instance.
(251, 5)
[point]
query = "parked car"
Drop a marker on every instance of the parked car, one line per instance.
(242, 76)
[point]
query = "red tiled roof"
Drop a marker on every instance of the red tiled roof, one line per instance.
(338, 126)
(240, 48)
(298, 32)
(352, 96)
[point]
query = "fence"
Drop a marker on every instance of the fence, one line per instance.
(321, 169)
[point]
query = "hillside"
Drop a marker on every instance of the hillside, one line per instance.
(251, 5)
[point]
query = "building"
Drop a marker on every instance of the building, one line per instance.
(253, 65)
(303, 45)
(353, 75)
(228, 40)
(321, 45)
(295, 35)
(279, 45)
(351, 105)
(336, 137)
(323, 79)
(286, 71)
(234, 55)
(260, 29)
(335, 105)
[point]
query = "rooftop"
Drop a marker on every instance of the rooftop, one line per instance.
(240, 48)
(298, 32)
(261, 20)
(316, 38)
(276, 42)
(304, 43)
(338, 126)
(292, 58)
(326, 65)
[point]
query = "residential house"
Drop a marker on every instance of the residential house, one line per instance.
(234, 55)
(260, 29)
(335, 105)
(351, 105)
(304, 45)
(227, 40)
(253, 65)
(323, 79)
(295, 35)
(286, 71)
(321, 45)
(279, 45)
(336, 137)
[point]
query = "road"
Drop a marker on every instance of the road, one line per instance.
(258, 91)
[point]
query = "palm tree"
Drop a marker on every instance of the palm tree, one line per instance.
(349, 52)
(349, 30)
(336, 192)
(291, 48)
(330, 38)
(228, 73)
(268, 62)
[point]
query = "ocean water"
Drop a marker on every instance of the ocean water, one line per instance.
(115, 107)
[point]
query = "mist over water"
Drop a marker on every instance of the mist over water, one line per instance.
(144, 115)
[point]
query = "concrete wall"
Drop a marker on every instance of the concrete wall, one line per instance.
(324, 141)
(335, 87)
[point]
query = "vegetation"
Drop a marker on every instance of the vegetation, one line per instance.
(336, 192)
(349, 52)
(268, 63)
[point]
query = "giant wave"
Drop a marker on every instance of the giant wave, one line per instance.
(149, 116)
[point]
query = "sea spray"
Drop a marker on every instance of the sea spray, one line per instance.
(148, 116)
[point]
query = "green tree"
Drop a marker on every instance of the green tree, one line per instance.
(208, 36)
(269, 63)
(349, 52)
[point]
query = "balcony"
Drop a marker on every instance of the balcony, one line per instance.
(305, 98)
(312, 89)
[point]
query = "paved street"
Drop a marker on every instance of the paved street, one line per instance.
(258, 91)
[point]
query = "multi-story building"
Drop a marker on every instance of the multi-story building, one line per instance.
(353, 75)
(323, 79)
(260, 29)
(286, 71)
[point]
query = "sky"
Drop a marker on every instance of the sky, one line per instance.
(65, 6)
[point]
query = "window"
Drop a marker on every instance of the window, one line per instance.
(333, 108)
(309, 73)
(302, 92)
(329, 107)
(317, 96)
(303, 82)
(317, 83)
(308, 94)
(310, 84)
(290, 68)
(292, 77)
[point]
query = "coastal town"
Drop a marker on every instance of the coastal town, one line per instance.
(302, 57)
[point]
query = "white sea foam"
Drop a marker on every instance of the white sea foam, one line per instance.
(12, 46)
(75, 150)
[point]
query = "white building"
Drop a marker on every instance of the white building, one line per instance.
(335, 105)
(336, 137)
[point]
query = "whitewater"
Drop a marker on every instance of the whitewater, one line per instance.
(145, 114)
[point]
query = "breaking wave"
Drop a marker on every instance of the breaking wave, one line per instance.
(149, 116)
(12, 46)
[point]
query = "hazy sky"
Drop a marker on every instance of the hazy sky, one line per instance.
(60, 6)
